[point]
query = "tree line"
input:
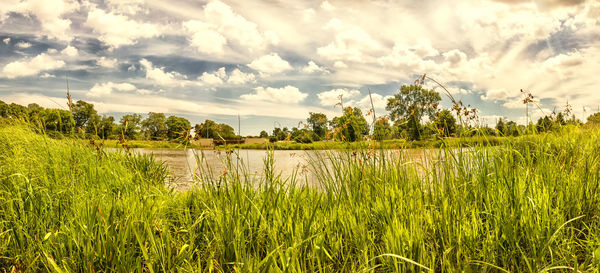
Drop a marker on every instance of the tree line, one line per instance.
(414, 114)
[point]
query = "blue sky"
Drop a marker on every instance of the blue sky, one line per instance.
(273, 62)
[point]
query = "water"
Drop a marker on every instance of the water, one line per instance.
(183, 163)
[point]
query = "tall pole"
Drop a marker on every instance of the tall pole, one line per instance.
(239, 126)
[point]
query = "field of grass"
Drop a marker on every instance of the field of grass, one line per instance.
(150, 144)
(385, 144)
(528, 205)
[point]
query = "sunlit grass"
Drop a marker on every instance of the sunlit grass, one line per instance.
(531, 204)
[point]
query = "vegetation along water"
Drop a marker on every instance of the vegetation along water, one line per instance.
(529, 205)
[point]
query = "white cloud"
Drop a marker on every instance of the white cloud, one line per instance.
(332, 97)
(160, 77)
(325, 5)
(106, 62)
(379, 102)
(308, 15)
(117, 30)
(70, 51)
(270, 64)
(22, 44)
(454, 57)
(213, 79)
(495, 94)
(312, 67)
(351, 43)
(46, 76)
(237, 28)
(287, 94)
(238, 77)
(104, 89)
(6, 40)
(205, 37)
(131, 7)
(31, 66)
(340, 64)
(411, 57)
(49, 13)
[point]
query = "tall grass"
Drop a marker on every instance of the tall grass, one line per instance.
(529, 205)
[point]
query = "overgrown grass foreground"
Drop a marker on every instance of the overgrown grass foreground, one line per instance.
(529, 205)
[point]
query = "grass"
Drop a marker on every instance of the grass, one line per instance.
(149, 144)
(385, 144)
(528, 205)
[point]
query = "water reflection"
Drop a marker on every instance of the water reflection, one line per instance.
(185, 169)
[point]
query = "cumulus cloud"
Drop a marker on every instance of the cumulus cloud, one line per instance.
(332, 97)
(48, 12)
(235, 27)
(47, 75)
(205, 37)
(287, 94)
(31, 66)
(107, 62)
(495, 94)
(22, 44)
(118, 30)
(325, 5)
(312, 67)
(351, 43)
(238, 77)
(103, 89)
(160, 77)
(270, 64)
(70, 51)
(6, 40)
(215, 78)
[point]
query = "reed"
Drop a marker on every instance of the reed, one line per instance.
(530, 204)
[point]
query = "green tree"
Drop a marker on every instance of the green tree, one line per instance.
(207, 129)
(382, 129)
(351, 126)
(84, 114)
(57, 120)
(318, 124)
(412, 103)
(594, 119)
(263, 134)
(154, 126)
(280, 134)
(105, 127)
(3, 109)
(130, 125)
(544, 124)
(17, 111)
(501, 127)
(211, 129)
(560, 119)
(445, 123)
(177, 127)
(512, 129)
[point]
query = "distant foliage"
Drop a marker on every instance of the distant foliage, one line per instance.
(351, 126)
(411, 104)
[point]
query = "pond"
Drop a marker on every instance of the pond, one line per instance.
(184, 163)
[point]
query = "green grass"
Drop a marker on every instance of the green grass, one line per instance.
(150, 144)
(385, 144)
(529, 205)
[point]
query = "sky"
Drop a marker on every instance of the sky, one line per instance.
(272, 62)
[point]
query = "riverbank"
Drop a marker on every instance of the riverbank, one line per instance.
(148, 144)
(529, 205)
(385, 144)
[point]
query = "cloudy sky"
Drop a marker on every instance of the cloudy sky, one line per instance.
(273, 62)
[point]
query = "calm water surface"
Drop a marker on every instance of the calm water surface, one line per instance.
(184, 163)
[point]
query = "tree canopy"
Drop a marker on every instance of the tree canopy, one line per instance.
(351, 126)
(411, 103)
